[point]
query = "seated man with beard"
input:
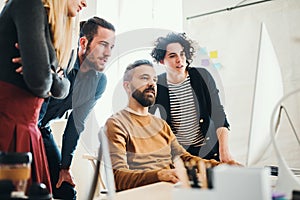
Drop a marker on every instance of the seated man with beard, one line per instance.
(142, 146)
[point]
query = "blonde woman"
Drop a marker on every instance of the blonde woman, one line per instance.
(43, 31)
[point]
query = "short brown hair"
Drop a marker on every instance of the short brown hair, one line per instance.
(129, 69)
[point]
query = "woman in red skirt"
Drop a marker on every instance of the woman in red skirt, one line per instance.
(43, 31)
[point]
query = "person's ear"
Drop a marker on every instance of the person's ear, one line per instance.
(83, 42)
(162, 62)
(126, 86)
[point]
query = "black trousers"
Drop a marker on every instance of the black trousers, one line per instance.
(65, 191)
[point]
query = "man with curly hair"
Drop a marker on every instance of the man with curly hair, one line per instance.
(188, 99)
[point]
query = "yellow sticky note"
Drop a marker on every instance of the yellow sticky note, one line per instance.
(213, 54)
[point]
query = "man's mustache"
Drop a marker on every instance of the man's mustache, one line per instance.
(150, 89)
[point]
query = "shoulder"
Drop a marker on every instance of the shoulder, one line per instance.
(34, 2)
(162, 76)
(156, 118)
(159, 121)
(101, 81)
(118, 123)
(118, 117)
(165, 129)
(196, 72)
(33, 5)
(102, 77)
(28, 11)
(112, 121)
(115, 128)
(162, 79)
(201, 70)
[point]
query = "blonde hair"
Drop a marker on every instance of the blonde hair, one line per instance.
(65, 29)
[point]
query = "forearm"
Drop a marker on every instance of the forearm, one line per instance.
(224, 152)
(75, 126)
(178, 150)
(218, 114)
(222, 134)
(88, 86)
(126, 179)
(81, 113)
(70, 140)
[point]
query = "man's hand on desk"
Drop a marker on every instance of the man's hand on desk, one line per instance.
(167, 175)
(198, 173)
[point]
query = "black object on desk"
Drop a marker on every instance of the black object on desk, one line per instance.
(192, 173)
(274, 170)
(191, 170)
(209, 174)
(296, 195)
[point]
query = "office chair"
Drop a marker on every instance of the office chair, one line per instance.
(103, 156)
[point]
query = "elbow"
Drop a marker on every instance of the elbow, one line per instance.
(46, 87)
(39, 92)
(39, 88)
(60, 87)
(60, 93)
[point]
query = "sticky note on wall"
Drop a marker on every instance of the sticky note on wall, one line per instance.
(217, 65)
(203, 50)
(213, 54)
(205, 62)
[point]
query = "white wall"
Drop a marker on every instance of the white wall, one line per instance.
(133, 20)
(1, 4)
(235, 35)
(138, 23)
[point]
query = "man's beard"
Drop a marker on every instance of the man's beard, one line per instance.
(143, 98)
(89, 62)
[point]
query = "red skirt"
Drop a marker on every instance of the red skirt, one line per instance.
(19, 112)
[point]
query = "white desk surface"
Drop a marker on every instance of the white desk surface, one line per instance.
(157, 191)
(162, 191)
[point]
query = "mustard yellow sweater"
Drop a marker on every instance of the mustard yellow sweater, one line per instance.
(140, 146)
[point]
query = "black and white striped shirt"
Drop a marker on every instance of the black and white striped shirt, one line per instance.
(184, 113)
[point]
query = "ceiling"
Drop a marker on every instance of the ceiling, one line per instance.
(205, 6)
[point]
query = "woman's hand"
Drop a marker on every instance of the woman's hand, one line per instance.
(18, 60)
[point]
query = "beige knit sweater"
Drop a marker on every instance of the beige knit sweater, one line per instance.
(140, 146)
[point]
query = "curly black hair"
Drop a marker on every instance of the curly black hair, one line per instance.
(160, 45)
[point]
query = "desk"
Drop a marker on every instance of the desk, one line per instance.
(229, 183)
(157, 191)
